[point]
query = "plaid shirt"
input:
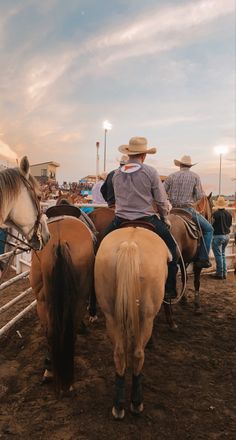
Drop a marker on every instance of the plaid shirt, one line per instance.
(183, 188)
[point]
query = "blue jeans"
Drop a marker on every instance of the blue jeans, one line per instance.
(219, 244)
(207, 233)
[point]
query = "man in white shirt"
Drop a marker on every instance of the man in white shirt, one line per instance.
(96, 190)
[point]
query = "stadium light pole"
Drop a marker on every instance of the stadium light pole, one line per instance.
(97, 160)
(107, 126)
(220, 150)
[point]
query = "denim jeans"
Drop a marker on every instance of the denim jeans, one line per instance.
(207, 232)
(219, 244)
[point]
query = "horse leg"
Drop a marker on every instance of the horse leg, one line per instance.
(115, 335)
(48, 374)
(136, 405)
(184, 301)
(169, 316)
(197, 303)
(92, 307)
(118, 411)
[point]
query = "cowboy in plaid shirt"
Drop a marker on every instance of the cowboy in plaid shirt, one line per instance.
(184, 189)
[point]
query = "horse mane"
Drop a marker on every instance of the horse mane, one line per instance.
(10, 184)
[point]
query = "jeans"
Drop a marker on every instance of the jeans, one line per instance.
(207, 233)
(219, 244)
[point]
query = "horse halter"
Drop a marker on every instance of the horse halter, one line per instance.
(36, 227)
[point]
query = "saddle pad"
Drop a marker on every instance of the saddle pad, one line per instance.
(61, 210)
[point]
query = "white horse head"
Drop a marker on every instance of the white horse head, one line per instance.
(19, 204)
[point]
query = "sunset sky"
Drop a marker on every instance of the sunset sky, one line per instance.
(163, 69)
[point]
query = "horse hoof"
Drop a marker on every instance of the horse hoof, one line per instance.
(173, 327)
(47, 377)
(93, 319)
(183, 302)
(136, 409)
(118, 414)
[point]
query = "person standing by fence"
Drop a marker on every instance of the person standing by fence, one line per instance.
(221, 222)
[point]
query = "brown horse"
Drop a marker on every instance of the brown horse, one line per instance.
(187, 246)
(130, 275)
(62, 278)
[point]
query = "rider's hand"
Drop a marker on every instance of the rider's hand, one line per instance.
(167, 222)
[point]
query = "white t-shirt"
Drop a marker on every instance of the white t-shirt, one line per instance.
(96, 193)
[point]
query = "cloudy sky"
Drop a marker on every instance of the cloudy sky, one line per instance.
(164, 69)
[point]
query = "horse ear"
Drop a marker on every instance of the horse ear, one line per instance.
(25, 167)
(209, 197)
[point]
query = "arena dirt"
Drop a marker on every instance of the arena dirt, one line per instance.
(189, 379)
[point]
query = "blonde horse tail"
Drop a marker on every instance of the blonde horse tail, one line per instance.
(128, 289)
(63, 292)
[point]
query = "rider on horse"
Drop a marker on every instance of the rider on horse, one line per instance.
(107, 189)
(137, 187)
(184, 189)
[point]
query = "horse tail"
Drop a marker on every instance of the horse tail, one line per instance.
(128, 289)
(62, 317)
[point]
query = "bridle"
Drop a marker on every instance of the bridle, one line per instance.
(36, 228)
(37, 225)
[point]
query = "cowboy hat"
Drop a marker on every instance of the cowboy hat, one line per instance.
(185, 160)
(137, 145)
(220, 203)
(102, 176)
(124, 158)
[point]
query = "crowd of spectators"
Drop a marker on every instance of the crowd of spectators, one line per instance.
(78, 192)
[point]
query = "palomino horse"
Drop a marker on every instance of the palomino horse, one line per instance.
(130, 276)
(62, 278)
(188, 246)
(19, 204)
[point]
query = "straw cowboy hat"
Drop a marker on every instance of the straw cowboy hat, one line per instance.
(102, 176)
(185, 160)
(137, 145)
(124, 158)
(220, 203)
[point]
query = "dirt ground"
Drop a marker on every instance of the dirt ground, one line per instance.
(189, 379)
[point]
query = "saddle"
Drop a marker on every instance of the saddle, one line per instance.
(58, 212)
(191, 226)
(61, 210)
(138, 223)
